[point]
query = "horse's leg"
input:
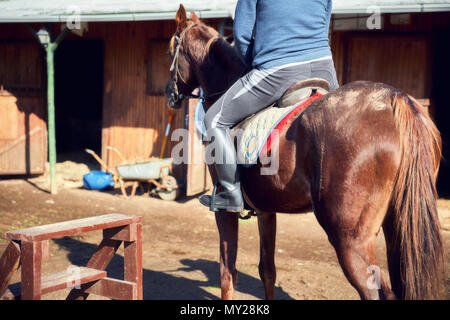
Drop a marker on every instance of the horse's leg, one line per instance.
(267, 226)
(351, 215)
(227, 224)
(357, 259)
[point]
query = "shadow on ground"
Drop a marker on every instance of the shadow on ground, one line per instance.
(168, 285)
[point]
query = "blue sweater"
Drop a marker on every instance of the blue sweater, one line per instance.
(271, 33)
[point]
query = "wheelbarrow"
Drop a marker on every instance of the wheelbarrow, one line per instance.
(155, 171)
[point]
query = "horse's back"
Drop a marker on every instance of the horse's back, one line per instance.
(349, 106)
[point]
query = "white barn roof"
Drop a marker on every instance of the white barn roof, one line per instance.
(390, 6)
(122, 10)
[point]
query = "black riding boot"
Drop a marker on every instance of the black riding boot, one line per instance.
(230, 196)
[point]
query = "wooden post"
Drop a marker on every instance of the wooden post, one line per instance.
(31, 270)
(133, 261)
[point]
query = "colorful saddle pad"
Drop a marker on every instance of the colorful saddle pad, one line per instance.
(257, 134)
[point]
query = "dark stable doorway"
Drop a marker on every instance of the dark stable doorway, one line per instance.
(441, 71)
(78, 99)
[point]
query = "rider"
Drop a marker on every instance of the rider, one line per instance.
(283, 42)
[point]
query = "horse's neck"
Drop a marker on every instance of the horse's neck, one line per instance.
(219, 71)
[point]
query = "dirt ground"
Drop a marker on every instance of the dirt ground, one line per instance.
(180, 244)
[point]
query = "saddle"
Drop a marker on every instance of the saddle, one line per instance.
(256, 134)
(303, 89)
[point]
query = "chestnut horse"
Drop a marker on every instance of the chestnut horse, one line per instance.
(363, 157)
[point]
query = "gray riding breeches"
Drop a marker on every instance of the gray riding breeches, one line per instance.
(260, 88)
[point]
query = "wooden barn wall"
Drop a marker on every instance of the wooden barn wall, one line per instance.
(133, 121)
(23, 134)
(134, 116)
(23, 131)
(426, 27)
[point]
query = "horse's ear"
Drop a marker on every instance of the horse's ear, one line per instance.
(194, 18)
(181, 19)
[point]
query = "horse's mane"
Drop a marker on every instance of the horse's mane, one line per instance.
(223, 48)
(220, 48)
(220, 57)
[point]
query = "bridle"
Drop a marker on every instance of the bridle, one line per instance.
(175, 96)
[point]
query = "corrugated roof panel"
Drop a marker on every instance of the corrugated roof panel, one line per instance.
(120, 10)
(55, 8)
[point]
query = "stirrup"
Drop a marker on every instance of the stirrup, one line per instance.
(213, 197)
(250, 213)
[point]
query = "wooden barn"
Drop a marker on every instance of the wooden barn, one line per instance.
(110, 72)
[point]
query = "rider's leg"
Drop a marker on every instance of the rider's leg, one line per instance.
(247, 96)
(325, 69)
(230, 197)
(250, 94)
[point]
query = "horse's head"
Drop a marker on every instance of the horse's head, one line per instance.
(200, 57)
(183, 79)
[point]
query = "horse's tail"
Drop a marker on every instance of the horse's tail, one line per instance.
(414, 244)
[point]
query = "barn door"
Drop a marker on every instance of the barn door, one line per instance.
(398, 60)
(198, 179)
(23, 131)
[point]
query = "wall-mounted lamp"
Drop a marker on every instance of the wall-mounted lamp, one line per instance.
(44, 37)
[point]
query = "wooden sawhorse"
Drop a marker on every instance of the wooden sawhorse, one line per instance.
(28, 247)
